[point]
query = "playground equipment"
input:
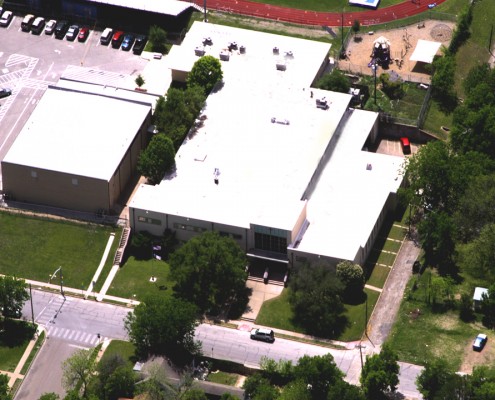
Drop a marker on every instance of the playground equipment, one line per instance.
(381, 52)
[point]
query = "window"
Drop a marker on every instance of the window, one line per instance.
(75, 182)
(34, 174)
(190, 228)
(147, 220)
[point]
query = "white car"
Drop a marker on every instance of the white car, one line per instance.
(50, 27)
(6, 18)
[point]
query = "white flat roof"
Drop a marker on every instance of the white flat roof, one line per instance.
(168, 7)
(351, 192)
(365, 3)
(479, 292)
(425, 51)
(78, 133)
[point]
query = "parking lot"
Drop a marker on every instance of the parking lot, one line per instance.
(29, 63)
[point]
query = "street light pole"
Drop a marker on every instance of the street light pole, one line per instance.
(61, 280)
(374, 70)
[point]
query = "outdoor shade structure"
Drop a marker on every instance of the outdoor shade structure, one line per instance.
(365, 3)
(425, 51)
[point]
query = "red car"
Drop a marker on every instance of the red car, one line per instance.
(406, 146)
(117, 39)
(83, 34)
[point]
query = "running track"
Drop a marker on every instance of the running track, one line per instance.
(304, 17)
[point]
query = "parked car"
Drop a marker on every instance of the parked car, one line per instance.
(265, 335)
(480, 342)
(5, 93)
(106, 36)
(6, 18)
(8, 313)
(38, 25)
(61, 29)
(406, 145)
(27, 22)
(117, 38)
(128, 42)
(83, 34)
(139, 44)
(50, 27)
(72, 32)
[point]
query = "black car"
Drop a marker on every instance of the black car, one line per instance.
(61, 29)
(139, 44)
(5, 93)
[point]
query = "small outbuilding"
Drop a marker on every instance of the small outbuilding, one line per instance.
(478, 296)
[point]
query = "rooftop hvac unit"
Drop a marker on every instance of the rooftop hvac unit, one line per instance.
(199, 51)
(281, 66)
(224, 56)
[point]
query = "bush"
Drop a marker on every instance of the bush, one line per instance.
(392, 89)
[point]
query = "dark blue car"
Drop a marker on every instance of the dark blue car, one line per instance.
(127, 42)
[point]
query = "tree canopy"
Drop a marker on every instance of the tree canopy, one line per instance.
(77, 370)
(157, 158)
(209, 271)
(161, 325)
(13, 295)
(315, 298)
(158, 39)
(335, 81)
(205, 73)
(352, 276)
(380, 374)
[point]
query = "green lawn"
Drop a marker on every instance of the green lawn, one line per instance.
(278, 314)
(378, 276)
(224, 378)
(14, 338)
(420, 337)
(132, 280)
(34, 248)
(392, 245)
(125, 349)
(34, 351)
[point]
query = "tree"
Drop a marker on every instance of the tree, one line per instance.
(161, 325)
(393, 89)
(443, 82)
(478, 256)
(352, 276)
(140, 80)
(356, 26)
(120, 383)
(49, 396)
(13, 295)
(380, 374)
(228, 396)
(433, 377)
(158, 38)
(205, 73)
(475, 207)
(335, 81)
(4, 388)
(194, 394)
(344, 391)
(487, 307)
(315, 298)
(77, 369)
(258, 388)
(157, 158)
(209, 270)
(319, 372)
(297, 390)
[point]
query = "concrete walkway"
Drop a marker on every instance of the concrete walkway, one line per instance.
(100, 267)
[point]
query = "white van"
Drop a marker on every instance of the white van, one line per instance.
(106, 36)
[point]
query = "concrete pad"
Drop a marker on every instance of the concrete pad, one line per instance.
(260, 294)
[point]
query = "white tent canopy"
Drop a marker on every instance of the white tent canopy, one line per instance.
(425, 51)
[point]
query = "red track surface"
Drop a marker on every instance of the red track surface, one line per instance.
(304, 17)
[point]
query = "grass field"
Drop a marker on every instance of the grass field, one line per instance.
(224, 378)
(278, 314)
(125, 349)
(34, 248)
(132, 280)
(421, 336)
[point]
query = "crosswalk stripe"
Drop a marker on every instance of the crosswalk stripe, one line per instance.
(67, 331)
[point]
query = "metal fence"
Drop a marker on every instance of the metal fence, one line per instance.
(401, 23)
(424, 108)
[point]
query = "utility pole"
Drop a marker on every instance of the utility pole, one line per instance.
(31, 298)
